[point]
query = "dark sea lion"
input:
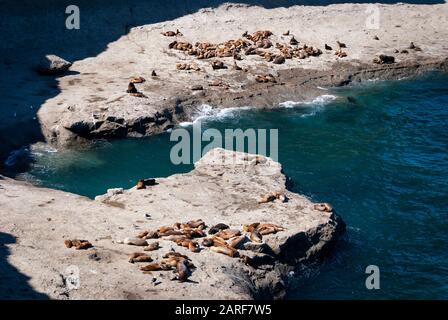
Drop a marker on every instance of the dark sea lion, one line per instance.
(341, 45)
(327, 47)
(153, 73)
(286, 33)
(131, 88)
(183, 272)
(376, 38)
(216, 228)
(293, 41)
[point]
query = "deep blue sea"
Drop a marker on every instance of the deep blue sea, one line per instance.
(381, 159)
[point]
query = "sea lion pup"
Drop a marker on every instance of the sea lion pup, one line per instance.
(293, 41)
(216, 228)
(225, 250)
(193, 246)
(227, 234)
(68, 243)
(131, 88)
(139, 257)
(256, 237)
(341, 45)
(137, 80)
(172, 33)
(327, 47)
(286, 33)
(152, 246)
(245, 34)
(151, 267)
(325, 207)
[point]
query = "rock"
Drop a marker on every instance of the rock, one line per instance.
(53, 65)
(384, 59)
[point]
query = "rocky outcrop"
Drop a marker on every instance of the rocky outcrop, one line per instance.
(224, 187)
(52, 65)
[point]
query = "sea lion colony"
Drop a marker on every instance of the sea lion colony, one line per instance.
(220, 239)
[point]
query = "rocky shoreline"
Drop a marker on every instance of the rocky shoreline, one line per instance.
(227, 188)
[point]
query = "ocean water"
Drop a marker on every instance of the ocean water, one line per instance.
(380, 157)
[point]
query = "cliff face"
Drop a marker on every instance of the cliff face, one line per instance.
(225, 187)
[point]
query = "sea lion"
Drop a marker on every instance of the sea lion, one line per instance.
(193, 246)
(218, 65)
(327, 47)
(340, 53)
(225, 250)
(140, 185)
(384, 59)
(250, 227)
(286, 33)
(172, 33)
(267, 198)
(152, 246)
(376, 38)
(131, 88)
(279, 59)
(183, 272)
(195, 223)
(68, 243)
(152, 235)
(325, 207)
(414, 47)
(268, 228)
(341, 45)
(404, 51)
(153, 73)
(139, 257)
(236, 242)
(207, 242)
(227, 234)
(135, 241)
(293, 41)
(256, 237)
(151, 267)
(142, 234)
(78, 244)
(216, 228)
(137, 80)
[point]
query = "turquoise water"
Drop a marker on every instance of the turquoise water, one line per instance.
(380, 159)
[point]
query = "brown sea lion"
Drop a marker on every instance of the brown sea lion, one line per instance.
(256, 237)
(227, 234)
(137, 80)
(250, 227)
(140, 185)
(325, 207)
(151, 267)
(286, 33)
(139, 257)
(78, 244)
(225, 250)
(152, 246)
(183, 272)
(237, 241)
(68, 243)
(142, 234)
